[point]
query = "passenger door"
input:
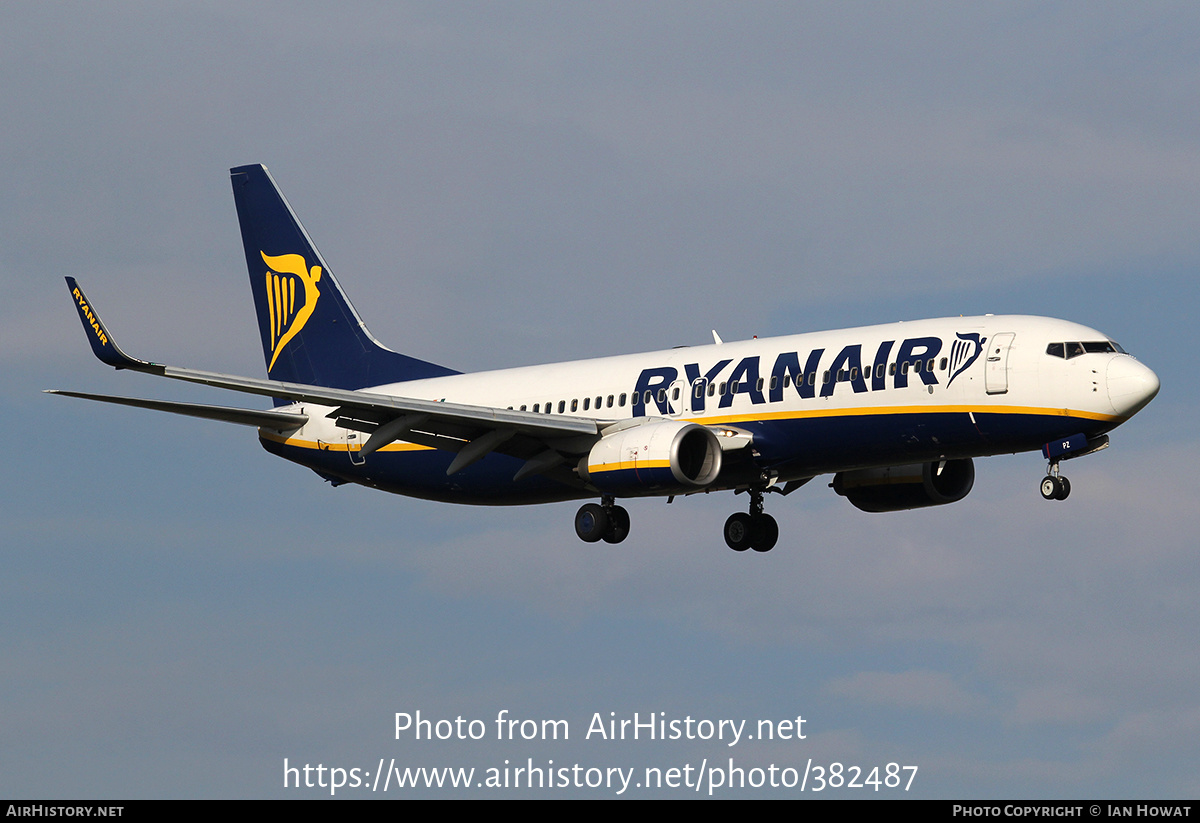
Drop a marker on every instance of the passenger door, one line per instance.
(995, 376)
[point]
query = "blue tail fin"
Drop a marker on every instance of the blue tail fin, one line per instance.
(310, 332)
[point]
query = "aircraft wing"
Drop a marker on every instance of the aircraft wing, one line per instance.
(280, 421)
(472, 431)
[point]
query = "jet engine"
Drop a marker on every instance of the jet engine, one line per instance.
(653, 457)
(913, 486)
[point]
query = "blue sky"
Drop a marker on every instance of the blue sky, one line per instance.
(506, 184)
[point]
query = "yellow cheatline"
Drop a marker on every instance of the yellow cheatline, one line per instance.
(629, 464)
(871, 411)
(337, 447)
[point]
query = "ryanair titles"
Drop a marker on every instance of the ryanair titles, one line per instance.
(91, 319)
(815, 375)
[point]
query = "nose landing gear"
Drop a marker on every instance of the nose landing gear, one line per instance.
(1054, 485)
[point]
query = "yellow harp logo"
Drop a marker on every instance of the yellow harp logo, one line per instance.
(289, 306)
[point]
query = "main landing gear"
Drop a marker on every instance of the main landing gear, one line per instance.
(755, 530)
(602, 521)
(1054, 485)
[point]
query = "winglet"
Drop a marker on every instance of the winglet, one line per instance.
(103, 345)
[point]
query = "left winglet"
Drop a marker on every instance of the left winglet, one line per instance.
(102, 343)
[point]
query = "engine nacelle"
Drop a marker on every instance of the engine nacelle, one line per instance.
(914, 486)
(654, 457)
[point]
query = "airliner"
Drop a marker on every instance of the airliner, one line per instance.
(895, 413)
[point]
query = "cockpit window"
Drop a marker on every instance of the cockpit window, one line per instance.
(1074, 349)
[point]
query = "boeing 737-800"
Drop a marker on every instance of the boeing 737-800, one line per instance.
(894, 412)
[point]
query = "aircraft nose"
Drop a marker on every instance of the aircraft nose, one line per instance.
(1130, 385)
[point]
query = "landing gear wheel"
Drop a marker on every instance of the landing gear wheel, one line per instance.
(618, 525)
(766, 533)
(591, 522)
(1051, 488)
(739, 531)
(1064, 488)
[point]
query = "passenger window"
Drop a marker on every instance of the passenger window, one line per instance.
(662, 395)
(575, 405)
(598, 399)
(622, 403)
(853, 373)
(610, 401)
(916, 366)
(523, 408)
(942, 365)
(649, 396)
(722, 388)
(787, 380)
(537, 407)
(562, 406)
(892, 369)
(812, 378)
(759, 385)
(675, 393)
(929, 365)
(636, 400)
(825, 377)
(775, 381)
(699, 391)
(712, 389)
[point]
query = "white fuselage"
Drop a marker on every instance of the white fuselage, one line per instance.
(828, 401)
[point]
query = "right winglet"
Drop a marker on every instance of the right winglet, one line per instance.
(103, 345)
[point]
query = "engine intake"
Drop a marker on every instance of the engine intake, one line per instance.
(913, 486)
(654, 457)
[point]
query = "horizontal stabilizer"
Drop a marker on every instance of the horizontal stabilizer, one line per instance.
(280, 421)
